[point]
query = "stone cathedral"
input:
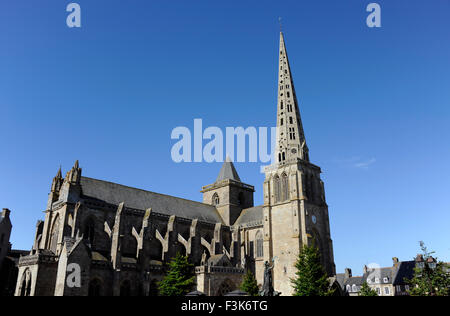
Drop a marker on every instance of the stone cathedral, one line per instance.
(120, 238)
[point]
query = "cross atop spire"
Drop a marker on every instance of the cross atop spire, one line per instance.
(291, 142)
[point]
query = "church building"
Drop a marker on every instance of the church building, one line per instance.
(120, 238)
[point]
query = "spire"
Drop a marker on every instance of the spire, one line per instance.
(59, 174)
(57, 181)
(74, 175)
(291, 142)
(228, 171)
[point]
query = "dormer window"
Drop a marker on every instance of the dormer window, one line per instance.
(385, 280)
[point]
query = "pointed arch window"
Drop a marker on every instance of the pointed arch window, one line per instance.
(89, 231)
(25, 289)
(241, 198)
(284, 187)
(259, 245)
(54, 235)
(215, 199)
(276, 188)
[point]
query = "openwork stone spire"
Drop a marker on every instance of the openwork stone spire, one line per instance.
(291, 142)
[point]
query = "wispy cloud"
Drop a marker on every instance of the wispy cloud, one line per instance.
(365, 164)
(356, 162)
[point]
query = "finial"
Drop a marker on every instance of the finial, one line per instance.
(281, 26)
(77, 164)
(58, 174)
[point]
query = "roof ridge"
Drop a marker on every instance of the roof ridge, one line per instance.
(161, 194)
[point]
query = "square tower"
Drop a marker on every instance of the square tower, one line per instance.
(228, 194)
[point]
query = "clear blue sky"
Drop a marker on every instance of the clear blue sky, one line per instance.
(374, 102)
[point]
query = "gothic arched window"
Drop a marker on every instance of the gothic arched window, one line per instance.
(276, 188)
(215, 199)
(241, 199)
(284, 187)
(259, 245)
(89, 231)
(25, 289)
(54, 235)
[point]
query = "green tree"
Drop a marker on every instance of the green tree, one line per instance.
(311, 278)
(180, 278)
(250, 285)
(367, 291)
(430, 279)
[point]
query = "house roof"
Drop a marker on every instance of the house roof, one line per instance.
(113, 193)
(405, 271)
(356, 280)
(380, 274)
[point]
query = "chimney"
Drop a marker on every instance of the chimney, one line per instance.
(395, 261)
(348, 273)
(5, 213)
(365, 269)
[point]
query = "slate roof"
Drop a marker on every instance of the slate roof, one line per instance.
(250, 216)
(380, 273)
(356, 280)
(405, 270)
(114, 194)
(343, 282)
(228, 171)
(219, 260)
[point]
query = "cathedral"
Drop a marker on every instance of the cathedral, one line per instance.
(120, 238)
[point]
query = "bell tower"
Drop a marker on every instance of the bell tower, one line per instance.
(228, 194)
(295, 212)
